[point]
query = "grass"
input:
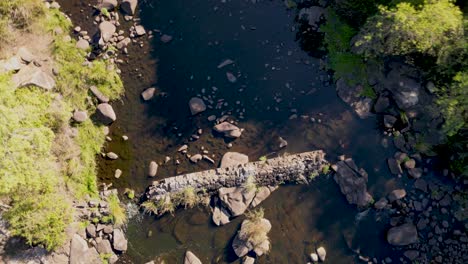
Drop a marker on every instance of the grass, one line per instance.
(119, 217)
(187, 198)
(159, 207)
(250, 184)
(253, 228)
(326, 169)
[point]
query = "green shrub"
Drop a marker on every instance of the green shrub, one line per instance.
(40, 218)
(117, 212)
(187, 197)
(21, 13)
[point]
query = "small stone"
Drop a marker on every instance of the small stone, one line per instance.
(117, 173)
(80, 116)
(153, 169)
(322, 253)
(396, 195)
(394, 166)
(148, 94)
(211, 118)
(381, 204)
(314, 257)
(112, 156)
(410, 164)
(415, 172)
(82, 44)
(196, 105)
(166, 38)
(184, 147)
(196, 158)
(140, 30)
(231, 78)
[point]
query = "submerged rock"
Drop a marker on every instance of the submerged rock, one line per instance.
(351, 94)
(225, 63)
(129, 6)
(190, 258)
(402, 235)
(220, 216)
(196, 105)
(233, 159)
(231, 78)
(166, 38)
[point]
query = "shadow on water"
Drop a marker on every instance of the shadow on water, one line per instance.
(280, 91)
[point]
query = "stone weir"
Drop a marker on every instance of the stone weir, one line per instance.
(271, 172)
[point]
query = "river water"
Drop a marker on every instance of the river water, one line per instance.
(281, 90)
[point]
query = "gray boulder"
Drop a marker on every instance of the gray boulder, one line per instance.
(190, 258)
(236, 199)
(220, 216)
(312, 15)
(108, 4)
(98, 94)
(80, 253)
(82, 44)
(402, 235)
(25, 55)
(105, 114)
(148, 94)
(233, 159)
(80, 116)
(404, 88)
(229, 130)
(129, 6)
(119, 242)
(261, 194)
(352, 182)
(11, 64)
(196, 105)
(107, 30)
(322, 253)
(32, 75)
(396, 195)
(104, 247)
(243, 242)
(394, 166)
(153, 169)
(351, 94)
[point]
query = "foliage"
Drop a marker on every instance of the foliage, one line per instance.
(40, 220)
(187, 197)
(407, 29)
(159, 207)
(326, 169)
(255, 229)
(453, 102)
(263, 158)
(250, 184)
(355, 12)
(116, 211)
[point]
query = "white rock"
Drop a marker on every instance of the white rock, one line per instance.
(153, 169)
(322, 253)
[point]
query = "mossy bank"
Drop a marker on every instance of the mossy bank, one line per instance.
(47, 157)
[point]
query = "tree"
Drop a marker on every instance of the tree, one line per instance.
(406, 29)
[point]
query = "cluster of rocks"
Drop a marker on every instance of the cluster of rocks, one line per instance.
(320, 254)
(252, 237)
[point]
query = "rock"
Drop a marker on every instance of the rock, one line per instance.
(381, 204)
(411, 254)
(353, 183)
(394, 166)
(381, 104)
(207, 158)
(322, 253)
(105, 114)
(405, 90)
(78, 249)
(190, 258)
(196, 105)
(225, 63)
(313, 15)
(389, 121)
(410, 164)
(402, 235)
(211, 118)
(112, 156)
(129, 6)
(108, 4)
(123, 43)
(12, 64)
(119, 242)
(148, 94)
(248, 260)
(104, 247)
(32, 75)
(153, 169)
(107, 30)
(117, 173)
(166, 38)
(262, 248)
(282, 143)
(196, 158)
(236, 199)
(231, 78)
(91, 230)
(100, 96)
(415, 172)
(184, 147)
(220, 216)
(233, 159)
(420, 184)
(82, 44)
(140, 30)
(351, 94)
(229, 130)
(314, 257)
(25, 55)
(80, 116)
(243, 243)
(396, 195)
(261, 194)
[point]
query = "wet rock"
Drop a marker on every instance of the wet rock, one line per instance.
(322, 253)
(190, 258)
(105, 114)
(119, 242)
(129, 6)
(402, 235)
(166, 38)
(80, 116)
(98, 94)
(394, 166)
(211, 118)
(389, 121)
(352, 182)
(410, 164)
(236, 199)
(415, 172)
(104, 247)
(153, 169)
(405, 90)
(351, 95)
(225, 63)
(107, 30)
(196, 158)
(112, 156)
(421, 185)
(220, 216)
(229, 130)
(196, 105)
(381, 104)
(108, 4)
(32, 75)
(282, 143)
(148, 94)
(233, 159)
(231, 78)
(82, 44)
(381, 204)
(207, 158)
(396, 195)
(248, 260)
(140, 30)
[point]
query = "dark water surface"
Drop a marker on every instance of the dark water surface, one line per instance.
(269, 65)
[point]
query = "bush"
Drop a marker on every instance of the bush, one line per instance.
(117, 212)
(187, 197)
(40, 218)
(407, 29)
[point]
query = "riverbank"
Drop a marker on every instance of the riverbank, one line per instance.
(52, 130)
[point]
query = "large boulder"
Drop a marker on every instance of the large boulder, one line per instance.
(351, 94)
(402, 235)
(196, 105)
(104, 247)
(261, 194)
(129, 6)
(106, 30)
(236, 199)
(11, 64)
(252, 236)
(228, 130)
(312, 15)
(232, 159)
(220, 216)
(402, 84)
(108, 4)
(352, 182)
(32, 75)
(80, 253)
(190, 258)
(105, 114)
(119, 241)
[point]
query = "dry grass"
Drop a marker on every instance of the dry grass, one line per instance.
(255, 228)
